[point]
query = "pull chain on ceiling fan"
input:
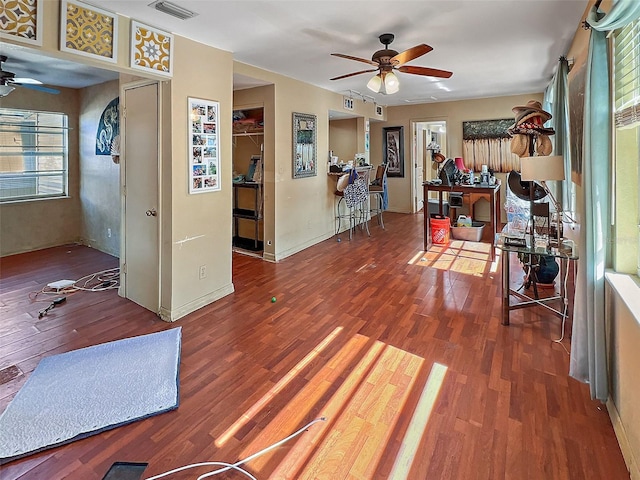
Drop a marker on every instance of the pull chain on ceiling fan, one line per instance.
(388, 60)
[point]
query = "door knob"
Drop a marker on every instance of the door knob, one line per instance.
(151, 212)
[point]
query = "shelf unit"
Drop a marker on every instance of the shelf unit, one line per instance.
(252, 214)
(248, 133)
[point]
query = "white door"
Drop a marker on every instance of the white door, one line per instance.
(418, 165)
(141, 199)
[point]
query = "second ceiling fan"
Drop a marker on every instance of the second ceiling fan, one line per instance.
(388, 60)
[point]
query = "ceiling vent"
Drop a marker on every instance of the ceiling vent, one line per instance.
(173, 9)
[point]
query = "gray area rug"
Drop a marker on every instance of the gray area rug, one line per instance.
(83, 392)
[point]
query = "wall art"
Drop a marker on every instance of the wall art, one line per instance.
(88, 30)
(25, 21)
(204, 158)
(393, 150)
(304, 145)
(151, 49)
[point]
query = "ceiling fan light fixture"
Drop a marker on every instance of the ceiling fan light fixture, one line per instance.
(375, 84)
(391, 83)
(6, 90)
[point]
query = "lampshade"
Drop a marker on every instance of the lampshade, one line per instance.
(375, 83)
(460, 164)
(542, 168)
(6, 90)
(391, 83)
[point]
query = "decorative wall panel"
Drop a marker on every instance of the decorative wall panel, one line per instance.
(151, 49)
(21, 20)
(87, 30)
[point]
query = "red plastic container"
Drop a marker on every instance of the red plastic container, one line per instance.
(440, 230)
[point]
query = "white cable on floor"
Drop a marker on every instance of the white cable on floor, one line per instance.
(236, 466)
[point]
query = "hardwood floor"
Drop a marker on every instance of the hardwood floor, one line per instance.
(402, 352)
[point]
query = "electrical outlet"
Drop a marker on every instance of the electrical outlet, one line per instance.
(109, 232)
(202, 271)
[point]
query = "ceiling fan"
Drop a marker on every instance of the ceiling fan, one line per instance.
(8, 82)
(387, 60)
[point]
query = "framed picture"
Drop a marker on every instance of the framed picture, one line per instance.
(151, 49)
(204, 158)
(304, 145)
(393, 150)
(24, 24)
(88, 30)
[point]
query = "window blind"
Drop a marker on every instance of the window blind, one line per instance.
(627, 75)
(33, 155)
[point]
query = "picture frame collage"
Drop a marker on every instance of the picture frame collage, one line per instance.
(204, 159)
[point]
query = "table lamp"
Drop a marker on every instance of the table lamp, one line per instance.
(541, 169)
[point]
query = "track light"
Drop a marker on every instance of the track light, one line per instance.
(173, 9)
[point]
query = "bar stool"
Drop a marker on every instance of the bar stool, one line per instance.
(376, 194)
(354, 196)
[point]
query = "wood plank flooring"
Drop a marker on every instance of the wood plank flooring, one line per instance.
(401, 351)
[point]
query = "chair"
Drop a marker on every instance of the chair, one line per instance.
(354, 196)
(376, 194)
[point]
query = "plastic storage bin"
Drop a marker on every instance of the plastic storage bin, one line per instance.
(470, 234)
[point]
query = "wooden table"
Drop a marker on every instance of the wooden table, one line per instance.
(491, 192)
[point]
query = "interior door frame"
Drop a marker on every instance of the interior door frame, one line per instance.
(123, 159)
(416, 156)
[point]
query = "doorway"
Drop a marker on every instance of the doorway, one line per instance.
(429, 137)
(140, 253)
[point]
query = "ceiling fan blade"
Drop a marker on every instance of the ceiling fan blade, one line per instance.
(354, 73)
(429, 72)
(23, 81)
(357, 59)
(410, 54)
(38, 87)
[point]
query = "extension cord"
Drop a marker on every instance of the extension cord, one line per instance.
(60, 284)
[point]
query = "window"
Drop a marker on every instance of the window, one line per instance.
(33, 155)
(627, 116)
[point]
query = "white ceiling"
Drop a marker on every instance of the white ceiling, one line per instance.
(493, 47)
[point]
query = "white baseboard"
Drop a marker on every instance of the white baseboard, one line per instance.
(176, 314)
(627, 453)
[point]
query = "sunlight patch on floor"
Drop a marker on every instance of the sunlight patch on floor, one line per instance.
(470, 258)
(284, 381)
(418, 425)
(362, 392)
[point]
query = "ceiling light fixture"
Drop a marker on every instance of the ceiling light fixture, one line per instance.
(387, 79)
(6, 90)
(173, 9)
(375, 83)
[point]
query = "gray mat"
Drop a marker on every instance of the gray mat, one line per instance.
(87, 391)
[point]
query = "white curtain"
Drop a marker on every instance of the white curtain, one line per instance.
(588, 352)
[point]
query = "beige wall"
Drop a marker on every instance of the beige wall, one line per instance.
(343, 138)
(99, 175)
(36, 224)
(400, 189)
(203, 220)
